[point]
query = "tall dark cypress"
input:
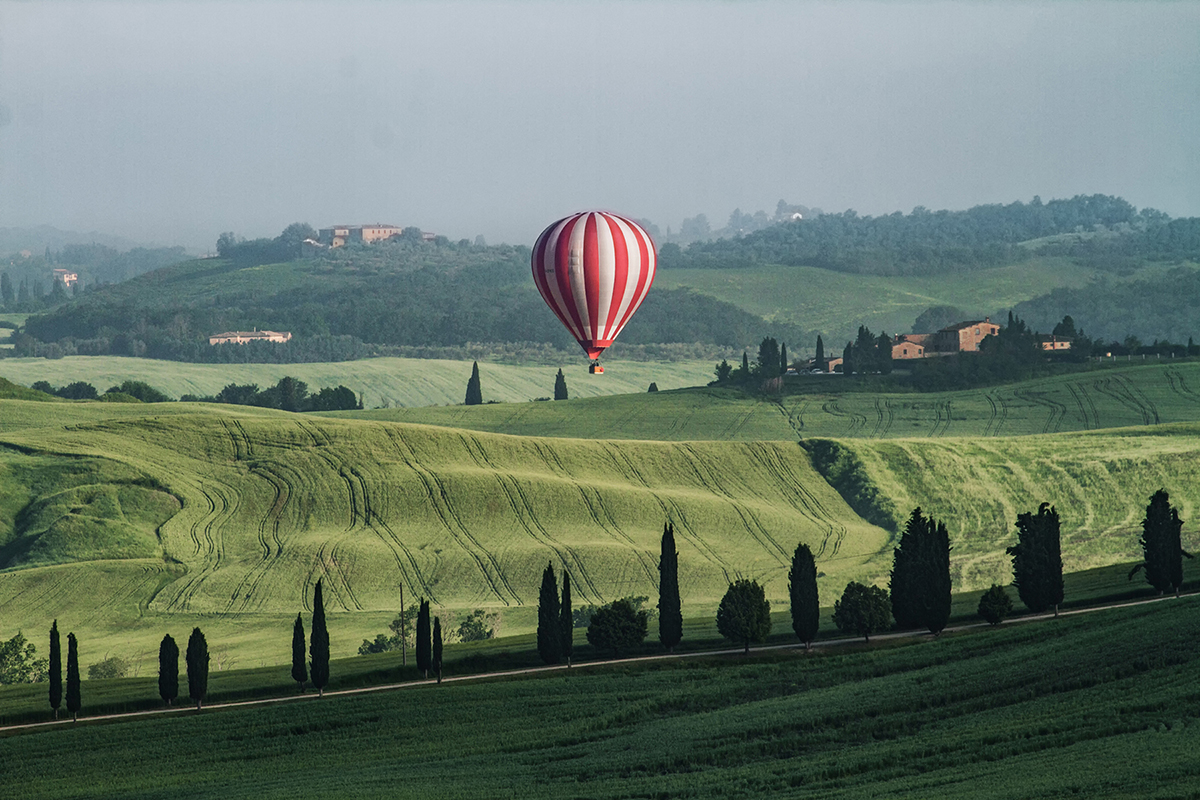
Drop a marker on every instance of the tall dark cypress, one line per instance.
(1037, 559)
(802, 591)
(549, 631)
(424, 656)
(905, 585)
(745, 367)
(566, 619)
(74, 702)
(670, 610)
(1162, 545)
(319, 643)
(168, 669)
(935, 611)
(197, 667)
(436, 661)
(299, 665)
(474, 389)
(819, 360)
(55, 669)
(560, 386)
(783, 358)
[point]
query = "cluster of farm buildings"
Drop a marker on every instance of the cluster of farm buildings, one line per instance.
(961, 337)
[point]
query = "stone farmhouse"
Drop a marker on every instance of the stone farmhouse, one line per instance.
(340, 235)
(241, 337)
(961, 337)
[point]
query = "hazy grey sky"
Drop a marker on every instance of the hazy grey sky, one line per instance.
(174, 121)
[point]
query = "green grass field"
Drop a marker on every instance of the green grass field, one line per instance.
(390, 381)
(1125, 393)
(1099, 705)
(836, 303)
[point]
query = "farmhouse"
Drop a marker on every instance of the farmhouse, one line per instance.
(909, 345)
(66, 277)
(241, 337)
(339, 235)
(1055, 343)
(963, 337)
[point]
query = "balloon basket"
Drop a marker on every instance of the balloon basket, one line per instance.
(595, 368)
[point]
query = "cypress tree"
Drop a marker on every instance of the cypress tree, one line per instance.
(802, 590)
(1037, 560)
(197, 667)
(783, 358)
(670, 611)
(474, 391)
(745, 367)
(849, 359)
(73, 700)
(1162, 545)
(920, 581)
(936, 601)
(883, 354)
(319, 643)
(905, 584)
(168, 669)
(55, 669)
(549, 631)
(819, 361)
(437, 648)
(566, 620)
(424, 656)
(560, 386)
(299, 667)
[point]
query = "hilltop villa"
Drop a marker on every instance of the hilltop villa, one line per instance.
(241, 337)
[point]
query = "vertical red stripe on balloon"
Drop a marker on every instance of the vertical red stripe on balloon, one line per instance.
(591, 277)
(539, 274)
(645, 275)
(562, 272)
(620, 274)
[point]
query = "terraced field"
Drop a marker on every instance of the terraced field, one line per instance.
(269, 502)
(1121, 395)
(382, 381)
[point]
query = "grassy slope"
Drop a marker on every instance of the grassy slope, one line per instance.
(1126, 394)
(394, 381)
(271, 502)
(1093, 706)
(837, 303)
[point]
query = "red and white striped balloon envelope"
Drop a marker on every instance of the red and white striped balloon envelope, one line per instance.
(594, 269)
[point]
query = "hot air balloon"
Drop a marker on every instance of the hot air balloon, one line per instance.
(594, 269)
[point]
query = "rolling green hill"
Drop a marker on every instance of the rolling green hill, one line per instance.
(125, 521)
(381, 381)
(1126, 393)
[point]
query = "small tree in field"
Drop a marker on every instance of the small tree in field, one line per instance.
(474, 388)
(995, 605)
(299, 665)
(862, 610)
(168, 669)
(74, 702)
(55, 669)
(560, 386)
(744, 615)
(197, 667)
(618, 626)
(436, 655)
(802, 591)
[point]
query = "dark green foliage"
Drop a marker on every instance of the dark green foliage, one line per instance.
(197, 667)
(111, 667)
(566, 620)
(474, 391)
(1037, 560)
(318, 649)
(767, 364)
(723, 371)
(560, 386)
(7, 296)
(844, 471)
(168, 669)
(819, 360)
(424, 633)
(995, 605)
(920, 580)
(783, 358)
(55, 669)
(670, 608)
(549, 630)
(745, 374)
(654, 385)
(744, 615)
(1162, 546)
(477, 626)
(618, 626)
(802, 592)
(74, 701)
(19, 662)
(79, 390)
(862, 610)
(299, 662)
(141, 390)
(435, 660)
(868, 353)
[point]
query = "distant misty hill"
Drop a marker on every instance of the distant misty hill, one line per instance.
(37, 239)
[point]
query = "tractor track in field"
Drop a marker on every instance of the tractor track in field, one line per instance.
(670, 508)
(856, 421)
(1057, 410)
(709, 480)
(987, 429)
(941, 422)
(611, 527)
(1121, 389)
(1180, 386)
(805, 501)
(439, 500)
(362, 511)
(211, 543)
(272, 549)
(522, 509)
